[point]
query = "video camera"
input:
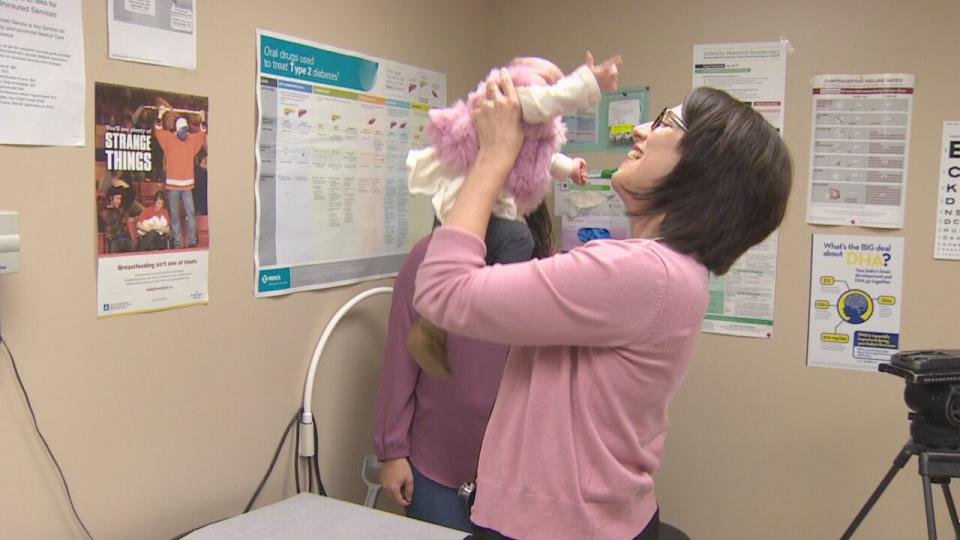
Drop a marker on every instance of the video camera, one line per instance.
(932, 393)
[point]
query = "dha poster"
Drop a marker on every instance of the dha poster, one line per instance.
(150, 180)
(855, 298)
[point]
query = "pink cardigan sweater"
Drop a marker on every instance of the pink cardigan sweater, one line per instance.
(602, 337)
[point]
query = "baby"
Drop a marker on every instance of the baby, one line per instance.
(439, 170)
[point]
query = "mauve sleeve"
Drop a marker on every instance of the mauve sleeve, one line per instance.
(398, 376)
(606, 293)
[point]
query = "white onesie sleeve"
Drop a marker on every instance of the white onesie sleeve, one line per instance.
(571, 94)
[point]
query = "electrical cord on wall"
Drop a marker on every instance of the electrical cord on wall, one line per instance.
(36, 427)
(273, 462)
(296, 461)
(316, 463)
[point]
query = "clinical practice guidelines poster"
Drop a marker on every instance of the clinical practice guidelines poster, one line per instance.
(742, 300)
(334, 130)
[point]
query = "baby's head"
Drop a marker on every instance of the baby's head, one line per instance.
(524, 71)
(540, 67)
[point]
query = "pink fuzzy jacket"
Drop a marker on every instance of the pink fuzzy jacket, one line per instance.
(452, 133)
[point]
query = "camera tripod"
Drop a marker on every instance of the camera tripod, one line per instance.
(937, 466)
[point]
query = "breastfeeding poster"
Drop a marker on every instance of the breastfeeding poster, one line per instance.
(855, 299)
(150, 180)
(333, 134)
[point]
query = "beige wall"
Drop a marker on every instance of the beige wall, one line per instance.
(166, 421)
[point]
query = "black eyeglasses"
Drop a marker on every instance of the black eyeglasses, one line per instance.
(670, 119)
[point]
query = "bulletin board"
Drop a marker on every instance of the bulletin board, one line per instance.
(590, 130)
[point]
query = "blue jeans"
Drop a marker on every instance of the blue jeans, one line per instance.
(173, 203)
(437, 503)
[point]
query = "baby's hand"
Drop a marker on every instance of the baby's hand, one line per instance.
(605, 73)
(579, 172)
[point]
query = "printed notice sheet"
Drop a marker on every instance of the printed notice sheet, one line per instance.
(162, 32)
(150, 175)
(754, 73)
(858, 158)
(589, 212)
(947, 240)
(855, 287)
(742, 301)
(42, 85)
(333, 135)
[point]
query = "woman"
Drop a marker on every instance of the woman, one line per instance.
(153, 226)
(427, 430)
(601, 336)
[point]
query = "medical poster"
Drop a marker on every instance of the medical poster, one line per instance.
(333, 133)
(589, 212)
(742, 300)
(755, 73)
(855, 298)
(860, 142)
(150, 180)
(162, 32)
(947, 239)
(42, 84)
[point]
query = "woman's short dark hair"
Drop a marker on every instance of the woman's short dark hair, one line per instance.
(730, 188)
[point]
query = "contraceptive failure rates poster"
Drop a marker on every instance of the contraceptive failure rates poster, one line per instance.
(859, 149)
(855, 298)
(334, 130)
(150, 178)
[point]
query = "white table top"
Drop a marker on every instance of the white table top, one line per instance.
(308, 516)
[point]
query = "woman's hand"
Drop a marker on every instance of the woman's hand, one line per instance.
(496, 119)
(396, 477)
